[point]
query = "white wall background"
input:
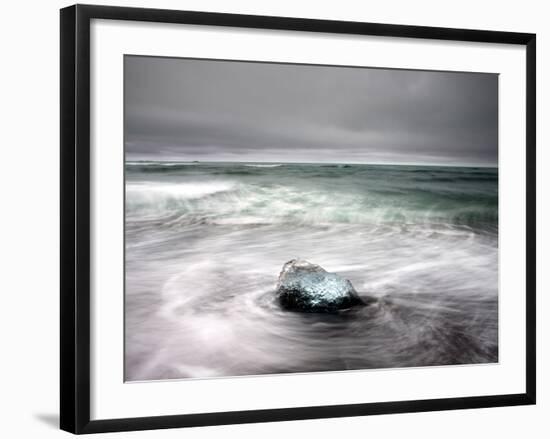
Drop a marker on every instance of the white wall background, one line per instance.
(29, 235)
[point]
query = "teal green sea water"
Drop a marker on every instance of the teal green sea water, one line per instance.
(205, 243)
(314, 194)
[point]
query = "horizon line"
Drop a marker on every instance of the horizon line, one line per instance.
(462, 165)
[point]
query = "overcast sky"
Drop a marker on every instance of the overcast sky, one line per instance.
(184, 109)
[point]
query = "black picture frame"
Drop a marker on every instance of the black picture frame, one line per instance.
(75, 217)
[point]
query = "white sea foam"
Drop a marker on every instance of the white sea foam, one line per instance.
(178, 190)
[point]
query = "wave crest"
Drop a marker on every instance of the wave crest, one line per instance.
(232, 203)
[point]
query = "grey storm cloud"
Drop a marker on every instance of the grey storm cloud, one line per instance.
(189, 109)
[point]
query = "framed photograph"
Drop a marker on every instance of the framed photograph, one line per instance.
(274, 218)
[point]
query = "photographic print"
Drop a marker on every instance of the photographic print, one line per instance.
(294, 218)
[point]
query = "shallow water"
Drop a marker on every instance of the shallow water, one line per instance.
(205, 243)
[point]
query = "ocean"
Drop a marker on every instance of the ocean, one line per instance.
(205, 242)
